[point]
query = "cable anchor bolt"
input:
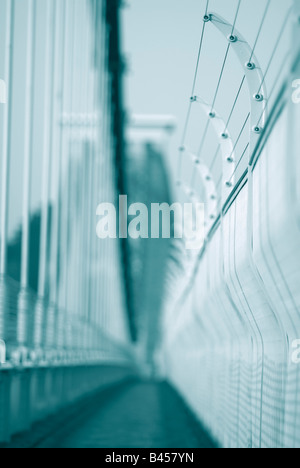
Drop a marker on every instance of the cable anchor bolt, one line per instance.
(232, 38)
(257, 130)
(207, 18)
(250, 65)
(258, 97)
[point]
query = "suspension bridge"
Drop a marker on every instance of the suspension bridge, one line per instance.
(129, 343)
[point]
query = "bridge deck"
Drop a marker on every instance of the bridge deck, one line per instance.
(133, 414)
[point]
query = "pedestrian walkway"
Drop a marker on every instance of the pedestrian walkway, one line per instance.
(137, 415)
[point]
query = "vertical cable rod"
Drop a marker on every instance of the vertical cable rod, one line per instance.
(47, 144)
(28, 144)
(7, 125)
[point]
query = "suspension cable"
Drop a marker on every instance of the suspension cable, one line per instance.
(239, 161)
(235, 102)
(286, 58)
(203, 139)
(226, 55)
(275, 48)
(193, 178)
(214, 101)
(236, 16)
(199, 51)
(260, 29)
(219, 182)
(215, 157)
(240, 134)
(220, 77)
(193, 90)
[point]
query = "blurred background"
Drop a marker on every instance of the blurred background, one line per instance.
(163, 101)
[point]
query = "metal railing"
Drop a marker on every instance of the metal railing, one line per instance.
(232, 330)
(61, 292)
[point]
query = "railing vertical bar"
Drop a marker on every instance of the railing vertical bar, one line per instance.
(61, 27)
(68, 107)
(47, 145)
(30, 65)
(96, 157)
(81, 162)
(7, 123)
(60, 53)
(90, 156)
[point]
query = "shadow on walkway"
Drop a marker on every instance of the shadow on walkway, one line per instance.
(135, 415)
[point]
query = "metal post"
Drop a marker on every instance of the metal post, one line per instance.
(43, 326)
(90, 155)
(81, 161)
(60, 54)
(65, 182)
(6, 144)
(294, 114)
(24, 298)
(95, 153)
(47, 146)
(30, 63)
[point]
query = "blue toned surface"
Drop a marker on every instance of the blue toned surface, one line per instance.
(137, 414)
